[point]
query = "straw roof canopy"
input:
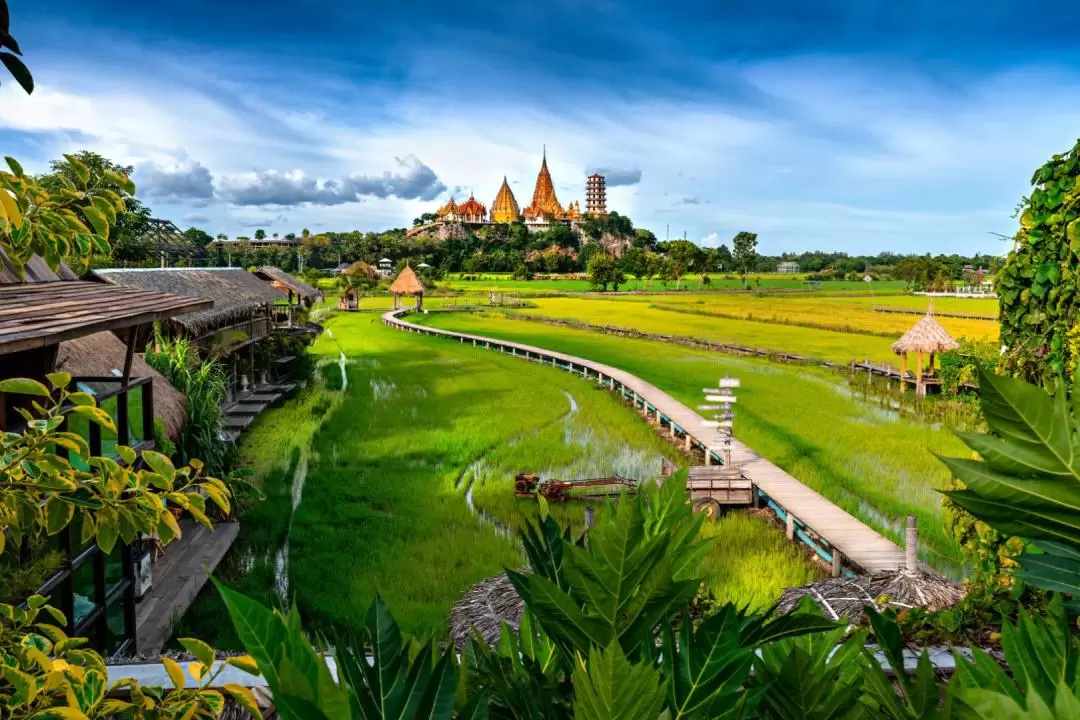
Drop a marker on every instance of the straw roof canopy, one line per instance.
(901, 589)
(235, 293)
(926, 337)
(484, 608)
(407, 283)
(285, 282)
(98, 355)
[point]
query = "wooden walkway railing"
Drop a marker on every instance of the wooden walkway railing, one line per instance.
(847, 543)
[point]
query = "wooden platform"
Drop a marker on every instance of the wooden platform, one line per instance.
(860, 546)
(178, 576)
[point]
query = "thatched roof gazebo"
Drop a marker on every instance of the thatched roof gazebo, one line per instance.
(407, 284)
(926, 338)
(845, 597)
(285, 282)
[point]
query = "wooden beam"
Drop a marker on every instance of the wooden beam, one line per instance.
(129, 356)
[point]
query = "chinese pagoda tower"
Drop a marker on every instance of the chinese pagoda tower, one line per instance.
(505, 208)
(596, 195)
(544, 203)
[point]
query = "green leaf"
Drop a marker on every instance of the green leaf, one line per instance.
(58, 514)
(260, 630)
(97, 220)
(608, 686)
(16, 168)
(160, 464)
(202, 651)
(19, 71)
(23, 386)
(107, 534)
(59, 379)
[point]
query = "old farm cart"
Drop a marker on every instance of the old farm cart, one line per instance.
(841, 540)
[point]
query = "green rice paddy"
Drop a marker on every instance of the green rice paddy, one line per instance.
(399, 481)
(870, 461)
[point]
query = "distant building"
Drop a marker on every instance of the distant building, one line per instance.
(596, 195)
(268, 243)
(385, 267)
(788, 268)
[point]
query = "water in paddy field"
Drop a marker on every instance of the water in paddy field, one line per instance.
(281, 558)
(595, 453)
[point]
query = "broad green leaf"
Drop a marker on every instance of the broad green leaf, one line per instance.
(24, 386)
(176, 673)
(16, 168)
(58, 514)
(608, 686)
(202, 651)
(244, 698)
(97, 220)
(161, 464)
(259, 629)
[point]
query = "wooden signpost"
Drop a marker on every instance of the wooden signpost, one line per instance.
(721, 402)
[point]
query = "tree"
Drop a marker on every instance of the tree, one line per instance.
(359, 276)
(63, 219)
(1039, 281)
(198, 236)
(10, 52)
(724, 259)
(745, 255)
(635, 261)
(682, 255)
(604, 270)
(128, 235)
(260, 234)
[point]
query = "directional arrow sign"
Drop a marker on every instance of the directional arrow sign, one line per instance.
(716, 424)
(720, 398)
(729, 382)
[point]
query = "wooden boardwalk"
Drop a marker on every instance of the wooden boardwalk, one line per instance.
(849, 543)
(178, 577)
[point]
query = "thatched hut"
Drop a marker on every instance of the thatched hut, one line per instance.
(484, 608)
(407, 284)
(240, 319)
(239, 297)
(349, 300)
(926, 338)
(102, 354)
(303, 293)
(844, 597)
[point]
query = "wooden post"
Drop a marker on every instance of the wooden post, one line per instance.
(835, 563)
(930, 371)
(689, 443)
(903, 372)
(911, 545)
(919, 389)
(708, 457)
(755, 497)
(671, 427)
(789, 521)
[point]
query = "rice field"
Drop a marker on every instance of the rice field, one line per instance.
(871, 461)
(485, 282)
(397, 479)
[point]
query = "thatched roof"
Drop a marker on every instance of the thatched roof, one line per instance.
(927, 337)
(900, 589)
(234, 291)
(285, 282)
(407, 283)
(98, 355)
(484, 608)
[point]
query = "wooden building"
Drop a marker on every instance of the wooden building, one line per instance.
(301, 295)
(47, 321)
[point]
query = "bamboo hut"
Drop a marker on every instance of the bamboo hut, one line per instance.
(845, 597)
(408, 284)
(928, 338)
(102, 354)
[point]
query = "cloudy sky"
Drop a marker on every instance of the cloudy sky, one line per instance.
(859, 126)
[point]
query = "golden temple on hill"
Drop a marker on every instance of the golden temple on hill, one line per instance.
(544, 209)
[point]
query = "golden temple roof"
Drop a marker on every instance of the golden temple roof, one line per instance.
(449, 208)
(505, 208)
(544, 201)
(573, 211)
(472, 208)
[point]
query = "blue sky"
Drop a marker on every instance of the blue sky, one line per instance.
(858, 126)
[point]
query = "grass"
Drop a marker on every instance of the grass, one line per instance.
(875, 465)
(752, 562)
(817, 343)
(383, 506)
